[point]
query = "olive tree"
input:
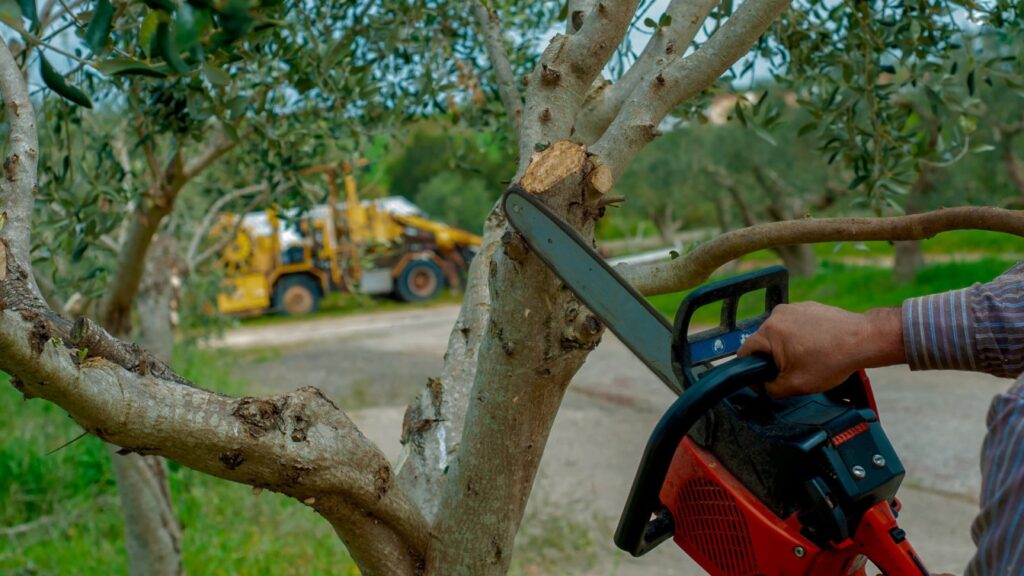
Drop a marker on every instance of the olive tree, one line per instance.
(474, 437)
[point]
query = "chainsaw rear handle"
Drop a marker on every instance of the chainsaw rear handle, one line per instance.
(693, 352)
(637, 533)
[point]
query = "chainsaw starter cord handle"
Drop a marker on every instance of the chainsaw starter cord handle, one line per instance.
(633, 534)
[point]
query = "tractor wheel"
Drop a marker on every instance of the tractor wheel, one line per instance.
(421, 280)
(296, 295)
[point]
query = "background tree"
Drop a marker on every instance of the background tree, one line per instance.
(179, 87)
(475, 437)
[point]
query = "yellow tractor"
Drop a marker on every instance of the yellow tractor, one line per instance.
(288, 265)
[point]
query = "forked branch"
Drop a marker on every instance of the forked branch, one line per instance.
(638, 121)
(666, 45)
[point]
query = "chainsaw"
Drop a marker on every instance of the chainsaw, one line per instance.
(745, 484)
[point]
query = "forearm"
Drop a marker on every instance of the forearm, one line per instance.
(884, 338)
(980, 328)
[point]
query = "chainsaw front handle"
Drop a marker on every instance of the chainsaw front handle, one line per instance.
(637, 533)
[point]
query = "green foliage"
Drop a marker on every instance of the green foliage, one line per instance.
(868, 73)
(71, 496)
(457, 199)
(453, 174)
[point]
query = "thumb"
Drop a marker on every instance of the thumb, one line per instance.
(755, 343)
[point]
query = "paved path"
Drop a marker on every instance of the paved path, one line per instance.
(374, 364)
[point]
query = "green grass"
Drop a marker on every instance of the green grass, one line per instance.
(856, 288)
(227, 529)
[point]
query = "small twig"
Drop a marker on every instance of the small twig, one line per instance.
(68, 443)
(610, 201)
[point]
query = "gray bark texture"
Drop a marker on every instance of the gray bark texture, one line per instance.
(907, 255)
(152, 534)
(799, 259)
(907, 260)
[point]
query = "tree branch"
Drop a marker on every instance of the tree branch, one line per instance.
(299, 444)
(565, 73)
(695, 267)
(211, 216)
(494, 42)
(221, 145)
(19, 175)
(115, 309)
(637, 122)
(667, 44)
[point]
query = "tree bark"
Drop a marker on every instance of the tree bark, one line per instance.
(799, 259)
(536, 338)
(783, 205)
(433, 422)
(697, 265)
(907, 260)
(1013, 163)
(152, 534)
(666, 225)
(907, 255)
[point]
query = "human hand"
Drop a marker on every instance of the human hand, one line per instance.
(816, 347)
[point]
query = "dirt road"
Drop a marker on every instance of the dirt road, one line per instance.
(373, 365)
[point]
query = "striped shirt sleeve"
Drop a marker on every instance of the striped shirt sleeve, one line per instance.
(998, 531)
(980, 328)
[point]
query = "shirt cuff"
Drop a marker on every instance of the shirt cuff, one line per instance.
(938, 332)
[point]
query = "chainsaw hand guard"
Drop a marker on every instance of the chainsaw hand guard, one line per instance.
(750, 485)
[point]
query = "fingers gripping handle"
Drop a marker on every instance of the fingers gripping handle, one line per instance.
(693, 353)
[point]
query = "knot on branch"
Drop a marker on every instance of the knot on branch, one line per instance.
(231, 459)
(577, 20)
(549, 76)
(648, 131)
(39, 335)
(11, 166)
(514, 246)
(583, 329)
(90, 337)
(260, 415)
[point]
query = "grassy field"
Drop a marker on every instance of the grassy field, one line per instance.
(59, 512)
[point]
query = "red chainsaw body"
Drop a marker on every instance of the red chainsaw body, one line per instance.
(729, 532)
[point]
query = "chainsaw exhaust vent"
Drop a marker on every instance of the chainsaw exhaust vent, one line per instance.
(710, 522)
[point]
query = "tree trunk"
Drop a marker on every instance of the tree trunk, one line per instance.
(152, 534)
(666, 225)
(722, 214)
(907, 255)
(433, 421)
(536, 337)
(907, 260)
(1013, 165)
(800, 259)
